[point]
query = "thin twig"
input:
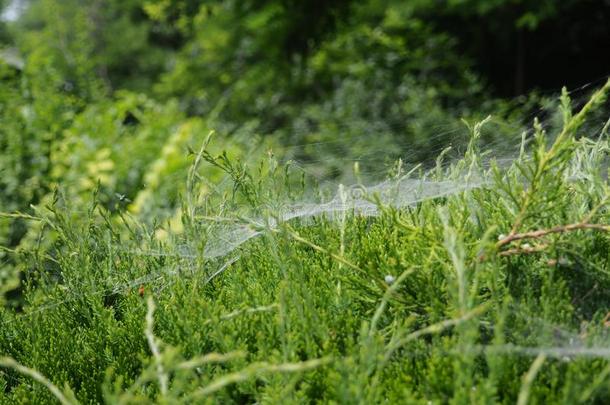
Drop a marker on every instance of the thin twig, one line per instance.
(320, 249)
(254, 370)
(154, 348)
(238, 312)
(557, 229)
(528, 379)
(11, 363)
(384, 300)
(20, 215)
(434, 328)
(209, 358)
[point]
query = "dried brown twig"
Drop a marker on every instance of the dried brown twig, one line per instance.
(544, 232)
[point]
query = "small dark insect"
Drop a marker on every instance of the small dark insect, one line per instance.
(141, 291)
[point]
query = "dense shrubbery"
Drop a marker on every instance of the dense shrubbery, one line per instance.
(450, 299)
(142, 141)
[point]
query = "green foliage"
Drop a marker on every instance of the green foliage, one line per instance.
(136, 134)
(308, 312)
